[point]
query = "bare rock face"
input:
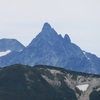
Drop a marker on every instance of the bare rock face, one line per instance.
(82, 84)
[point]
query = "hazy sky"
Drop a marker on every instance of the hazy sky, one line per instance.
(80, 19)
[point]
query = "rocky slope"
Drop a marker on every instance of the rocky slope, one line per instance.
(19, 82)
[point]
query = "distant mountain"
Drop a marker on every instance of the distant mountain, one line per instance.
(49, 48)
(19, 82)
(10, 44)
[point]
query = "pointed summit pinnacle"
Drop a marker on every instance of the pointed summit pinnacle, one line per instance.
(67, 38)
(46, 26)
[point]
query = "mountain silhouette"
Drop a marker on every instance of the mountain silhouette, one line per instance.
(50, 48)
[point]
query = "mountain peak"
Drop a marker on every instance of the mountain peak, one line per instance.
(10, 44)
(46, 26)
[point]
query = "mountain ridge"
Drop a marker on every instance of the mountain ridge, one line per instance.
(20, 82)
(10, 44)
(49, 48)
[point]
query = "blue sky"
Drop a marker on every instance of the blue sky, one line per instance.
(80, 19)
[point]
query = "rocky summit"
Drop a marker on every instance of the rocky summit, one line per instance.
(50, 48)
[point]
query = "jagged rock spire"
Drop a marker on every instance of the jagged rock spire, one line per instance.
(67, 38)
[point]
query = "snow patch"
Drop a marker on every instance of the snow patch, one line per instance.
(4, 53)
(83, 87)
(86, 55)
